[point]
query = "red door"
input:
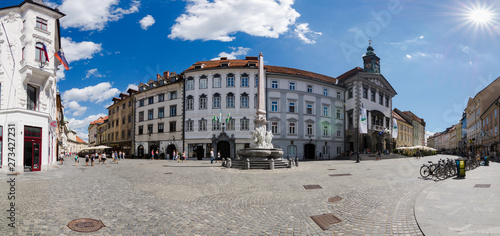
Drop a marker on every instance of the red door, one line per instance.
(32, 148)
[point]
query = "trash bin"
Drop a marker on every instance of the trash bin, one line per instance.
(486, 161)
(460, 168)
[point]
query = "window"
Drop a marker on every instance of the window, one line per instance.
(292, 150)
(123, 106)
(373, 95)
(123, 120)
(161, 112)
(230, 82)
(150, 100)
(349, 93)
(326, 151)
(365, 93)
(150, 114)
(189, 125)
(309, 129)
(189, 103)
(386, 101)
(141, 102)
(128, 133)
(230, 101)
(202, 125)
(203, 103)
(41, 23)
(230, 124)
(129, 118)
(309, 88)
(216, 83)
(496, 130)
(256, 81)
(339, 150)
(150, 129)
(173, 126)
(215, 125)
(339, 133)
(325, 92)
(274, 106)
(244, 81)
(141, 116)
(161, 97)
(292, 85)
(496, 113)
(338, 95)
(190, 84)
(325, 111)
(274, 84)
(216, 101)
(244, 124)
(325, 130)
(274, 127)
(173, 95)
(203, 83)
(173, 110)
(291, 128)
(291, 107)
(152, 85)
(338, 114)
(40, 53)
(160, 127)
(244, 101)
(32, 98)
(309, 109)
(381, 99)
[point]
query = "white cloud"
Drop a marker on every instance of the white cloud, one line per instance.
(96, 94)
(93, 14)
(239, 51)
(93, 73)
(147, 21)
(303, 32)
(81, 126)
(74, 51)
(74, 108)
(408, 56)
(434, 56)
(131, 86)
(417, 40)
(217, 20)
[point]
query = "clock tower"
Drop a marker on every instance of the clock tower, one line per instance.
(371, 61)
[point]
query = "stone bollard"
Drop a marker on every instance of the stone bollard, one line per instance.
(271, 163)
(228, 164)
(248, 164)
(296, 161)
(290, 163)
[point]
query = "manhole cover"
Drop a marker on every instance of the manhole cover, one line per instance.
(339, 174)
(314, 186)
(165, 165)
(85, 225)
(331, 169)
(324, 221)
(334, 199)
(482, 185)
(168, 173)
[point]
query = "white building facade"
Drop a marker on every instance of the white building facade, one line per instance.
(305, 111)
(28, 86)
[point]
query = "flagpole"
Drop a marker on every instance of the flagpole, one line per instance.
(357, 135)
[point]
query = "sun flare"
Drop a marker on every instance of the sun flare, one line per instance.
(480, 16)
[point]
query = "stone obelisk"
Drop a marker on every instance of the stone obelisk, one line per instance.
(260, 118)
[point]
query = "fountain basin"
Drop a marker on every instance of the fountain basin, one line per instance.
(260, 153)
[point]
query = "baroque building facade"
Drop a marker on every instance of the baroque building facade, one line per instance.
(158, 116)
(121, 116)
(28, 86)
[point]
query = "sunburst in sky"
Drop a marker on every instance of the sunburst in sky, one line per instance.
(481, 18)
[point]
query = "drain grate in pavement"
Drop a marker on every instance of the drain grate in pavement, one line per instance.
(331, 169)
(334, 199)
(168, 173)
(482, 186)
(347, 174)
(85, 225)
(312, 186)
(325, 221)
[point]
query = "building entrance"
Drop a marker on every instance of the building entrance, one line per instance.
(309, 151)
(224, 148)
(32, 148)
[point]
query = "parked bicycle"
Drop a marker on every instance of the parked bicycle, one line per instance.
(433, 170)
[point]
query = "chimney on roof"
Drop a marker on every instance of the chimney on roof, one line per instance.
(223, 58)
(166, 74)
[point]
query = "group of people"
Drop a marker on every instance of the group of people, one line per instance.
(101, 158)
(176, 156)
(212, 157)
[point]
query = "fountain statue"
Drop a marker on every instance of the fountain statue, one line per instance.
(261, 149)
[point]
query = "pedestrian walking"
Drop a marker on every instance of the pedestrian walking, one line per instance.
(152, 155)
(92, 157)
(76, 160)
(103, 157)
(86, 160)
(218, 157)
(157, 156)
(61, 158)
(212, 157)
(184, 157)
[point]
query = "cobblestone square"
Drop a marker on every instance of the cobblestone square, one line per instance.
(140, 197)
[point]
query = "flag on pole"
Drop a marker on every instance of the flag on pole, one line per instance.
(382, 132)
(215, 118)
(220, 116)
(45, 52)
(228, 117)
(60, 56)
(363, 123)
(394, 128)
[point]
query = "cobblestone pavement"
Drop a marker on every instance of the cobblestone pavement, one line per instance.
(160, 197)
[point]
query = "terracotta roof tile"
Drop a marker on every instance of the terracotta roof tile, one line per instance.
(78, 139)
(292, 71)
(349, 73)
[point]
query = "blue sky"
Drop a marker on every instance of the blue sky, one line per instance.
(435, 54)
